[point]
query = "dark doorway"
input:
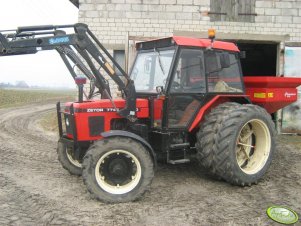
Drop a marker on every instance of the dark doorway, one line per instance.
(259, 59)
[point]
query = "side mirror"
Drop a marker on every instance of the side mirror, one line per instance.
(224, 60)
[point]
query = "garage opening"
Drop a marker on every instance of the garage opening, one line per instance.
(258, 59)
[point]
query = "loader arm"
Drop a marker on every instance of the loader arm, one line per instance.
(82, 48)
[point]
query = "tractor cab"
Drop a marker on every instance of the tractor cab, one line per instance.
(181, 74)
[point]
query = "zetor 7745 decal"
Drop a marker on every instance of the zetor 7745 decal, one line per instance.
(184, 98)
(104, 110)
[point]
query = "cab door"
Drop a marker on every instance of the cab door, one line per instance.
(187, 88)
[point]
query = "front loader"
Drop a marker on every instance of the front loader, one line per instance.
(184, 99)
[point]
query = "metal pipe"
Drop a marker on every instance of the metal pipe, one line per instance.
(80, 93)
(42, 27)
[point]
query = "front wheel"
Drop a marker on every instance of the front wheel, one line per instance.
(117, 169)
(66, 158)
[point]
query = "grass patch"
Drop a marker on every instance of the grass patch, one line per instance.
(15, 97)
(49, 122)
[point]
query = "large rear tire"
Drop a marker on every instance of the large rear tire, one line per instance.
(208, 129)
(244, 145)
(65, 157)
(117, 169)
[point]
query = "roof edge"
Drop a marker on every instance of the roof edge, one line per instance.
(205, 43)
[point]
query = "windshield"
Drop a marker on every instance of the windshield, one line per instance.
(151, 69)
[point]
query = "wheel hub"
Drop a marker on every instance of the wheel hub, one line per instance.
(246, 145)
(253, 146)
(117, 167)
(118, 171)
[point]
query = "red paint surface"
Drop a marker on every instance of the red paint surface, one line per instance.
(271, 82)
(278, 91)
(274, 94)
(158, 106)
(81, 118)
(204, 43)
(218, 99)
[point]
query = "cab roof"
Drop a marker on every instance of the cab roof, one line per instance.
(187, 41)
(204, 43)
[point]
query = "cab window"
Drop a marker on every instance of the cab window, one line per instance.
(189, 75)
(223, 72)
(151, 69)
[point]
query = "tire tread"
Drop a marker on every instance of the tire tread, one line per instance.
(223, 164)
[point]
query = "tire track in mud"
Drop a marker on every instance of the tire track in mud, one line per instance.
(36, 190)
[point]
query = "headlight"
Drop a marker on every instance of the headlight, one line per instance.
(67, 122)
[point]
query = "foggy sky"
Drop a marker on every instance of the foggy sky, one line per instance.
(46, 67)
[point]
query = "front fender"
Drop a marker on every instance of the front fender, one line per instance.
(122, 133)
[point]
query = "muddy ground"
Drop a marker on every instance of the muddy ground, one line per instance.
(36, 190)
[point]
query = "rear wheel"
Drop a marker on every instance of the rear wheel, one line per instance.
(117, 170)
(66, 158)
(207, 132)
(244, 145)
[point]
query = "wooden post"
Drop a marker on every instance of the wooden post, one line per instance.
(126, 53)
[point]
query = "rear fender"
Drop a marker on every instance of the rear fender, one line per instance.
(121, 133)
(215, 101)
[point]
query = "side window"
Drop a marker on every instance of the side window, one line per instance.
(223, 72)
(190, 74)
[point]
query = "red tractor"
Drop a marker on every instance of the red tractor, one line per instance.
(184, 99)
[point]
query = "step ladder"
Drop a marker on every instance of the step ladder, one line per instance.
(174, 147)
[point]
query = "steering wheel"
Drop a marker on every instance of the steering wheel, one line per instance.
(200, 87)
